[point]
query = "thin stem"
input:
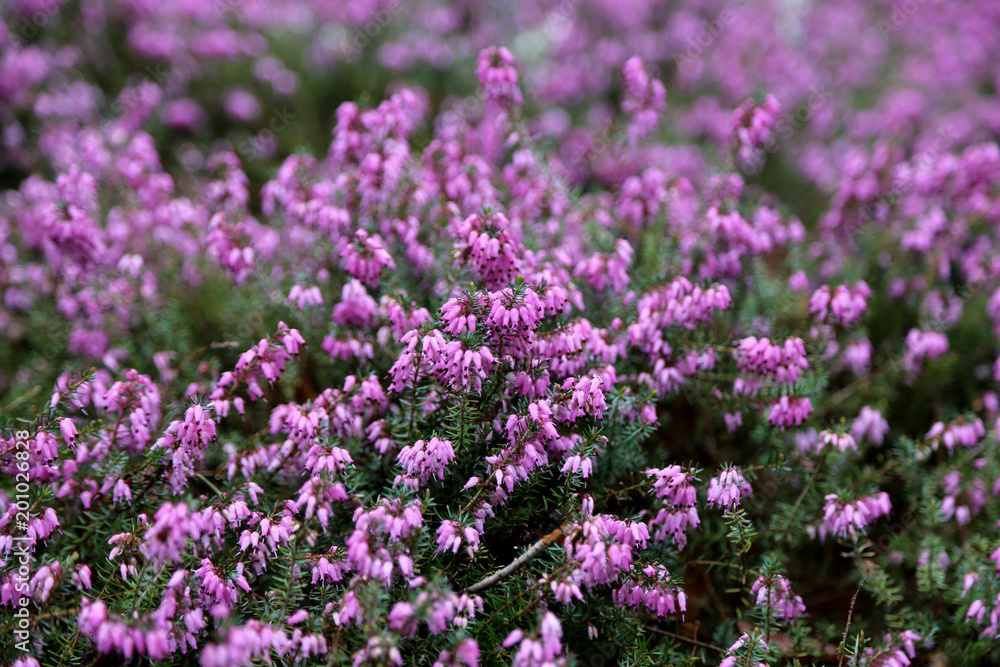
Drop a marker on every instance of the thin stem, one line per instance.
(76, 634)
(846, 392)
(461, 420)
(850, 612)
(22, 398)
(767, 619)
(674, 635)
(531, 588)
(519, 562)
(646, 482)
(209, 482)
(802, 496)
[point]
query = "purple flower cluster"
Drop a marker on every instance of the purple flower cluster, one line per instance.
(843, 305)
(899, 650)
(529, 285)
(679, 510)
(775, 593)
(783, 363)
(543, 649)
(845, 519)
(737, 654)
(726, 489)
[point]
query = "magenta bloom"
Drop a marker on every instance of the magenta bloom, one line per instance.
(871, 425)
(498, 76)
(726, 489)
(645, 99)
(784, 363)
(846, 518)
(776, 593)
(790, 411)
(843, 305)
(423, 460)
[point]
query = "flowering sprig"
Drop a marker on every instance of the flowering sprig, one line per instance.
(520, 339)
(845, 518)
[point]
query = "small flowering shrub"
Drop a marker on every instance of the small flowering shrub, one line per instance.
(336, 333)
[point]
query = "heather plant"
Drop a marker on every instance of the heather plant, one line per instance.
(621, 358)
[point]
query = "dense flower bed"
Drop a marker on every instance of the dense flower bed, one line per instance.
(336, 332)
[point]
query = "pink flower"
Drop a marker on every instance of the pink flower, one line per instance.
(870, 424)
(466, 652)
(586, 398)
(186, 442)
(678, 303)
(630, 533)
(752, 130)
(644, 101)
(463, 368)
(742, 647)
(898, 650)
(484, 243)
(726, 489)
(601, 269)
(81, 578)
(365, 257)
(317, 496)
(514, 312)
(776, 593)
(843, 305)
(330, 568)
(401, 619)
(783, 363)
(651, 588)
(498, 77)
(675, 489)
(798, 282)
(733, 421)
(304, 297)
(459, 316)
(238, 242)
(356, 307)
(578, 464)
(242, 645)
(419, 355)
(673, 485)
(449, 536)
(962, 502)
(842, 441)
(173, 528)
(68, 429)
(958, 432)
(857, 356)
(790, 411)
(921, 345)
(378, 545)
(844, 519)
(423, 460)
(542, 649)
